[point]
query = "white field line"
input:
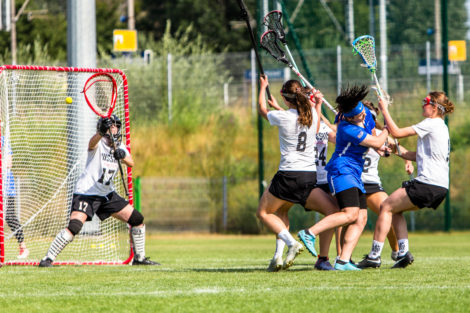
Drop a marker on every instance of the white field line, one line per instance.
(217, 290)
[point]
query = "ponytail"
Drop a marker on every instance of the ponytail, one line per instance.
(295, 94)
(304, 109)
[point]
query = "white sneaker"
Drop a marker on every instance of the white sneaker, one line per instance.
(24, 252)
(292, 252)
(275, 265)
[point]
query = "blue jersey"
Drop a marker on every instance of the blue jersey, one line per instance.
(346, 164)
(8, 178)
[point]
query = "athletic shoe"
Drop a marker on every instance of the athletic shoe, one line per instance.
(404, 261)
(394, 255)
(308, 241)
(292, 252)
(24, 252)
(323, 265)
(368, 262)
(275, 265)
(346, 267)
(336, 260)
(45, 263)
(145, 261)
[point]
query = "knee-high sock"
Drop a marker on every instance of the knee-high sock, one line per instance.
(138, 238)
(13, 221)
(63, 238)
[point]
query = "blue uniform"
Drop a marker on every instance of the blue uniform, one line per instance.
(9, 179)
(346, 164)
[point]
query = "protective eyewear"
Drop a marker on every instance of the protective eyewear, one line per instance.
(427, 101)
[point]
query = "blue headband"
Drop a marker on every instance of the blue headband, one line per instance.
(357, 110)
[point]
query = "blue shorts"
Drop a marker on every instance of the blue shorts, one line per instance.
(342, 182)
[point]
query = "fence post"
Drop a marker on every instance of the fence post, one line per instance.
(170, 87)
(224, 203)
(428, 66)
(253, 82)
(226, 95)
(339, 68)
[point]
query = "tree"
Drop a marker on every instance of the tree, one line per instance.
(210, 18)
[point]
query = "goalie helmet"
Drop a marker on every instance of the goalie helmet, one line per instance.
(117, 122)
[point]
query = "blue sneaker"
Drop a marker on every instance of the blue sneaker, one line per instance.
(324, 265)
(346, 267)
(308, 241)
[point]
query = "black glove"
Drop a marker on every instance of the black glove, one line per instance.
(119, 154)
(104, 124)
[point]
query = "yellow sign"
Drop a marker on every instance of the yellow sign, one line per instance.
(124, 40)
(457, 50)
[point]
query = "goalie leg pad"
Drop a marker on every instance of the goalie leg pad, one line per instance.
(63, 238)
(138, 238)
(75, 226)
(136, 218)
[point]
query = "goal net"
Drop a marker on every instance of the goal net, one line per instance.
(43, 152)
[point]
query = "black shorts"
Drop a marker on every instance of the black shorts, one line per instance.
(373, 188)
(293, 186)
(101, 206)
(424, 195)
(324, 187)
(352, 197)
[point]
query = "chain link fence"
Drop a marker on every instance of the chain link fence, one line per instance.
(209, 204)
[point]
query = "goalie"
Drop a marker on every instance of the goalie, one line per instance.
(95, 193)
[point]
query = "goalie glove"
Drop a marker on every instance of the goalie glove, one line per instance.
(104, 124)
(119, 154)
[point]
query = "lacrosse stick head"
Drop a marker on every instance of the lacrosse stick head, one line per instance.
(365, 47)
(273, 21)
(385, 96)
(269, 43)
(100, 91)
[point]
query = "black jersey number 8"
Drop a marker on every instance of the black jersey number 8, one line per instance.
(301, 143)
(367, 162)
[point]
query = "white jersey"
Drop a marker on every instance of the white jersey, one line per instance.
(432, 153)
(297, 142)
(100, 169)
(321, 151)
(370, 172)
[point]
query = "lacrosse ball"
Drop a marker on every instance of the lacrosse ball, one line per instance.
(68, 100)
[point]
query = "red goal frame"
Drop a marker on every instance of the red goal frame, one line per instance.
(127, 143)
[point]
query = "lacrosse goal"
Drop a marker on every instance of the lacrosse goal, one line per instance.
(44, 149)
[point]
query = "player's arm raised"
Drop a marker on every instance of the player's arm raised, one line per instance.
(262, 108)
(375, 142)
(395, 131)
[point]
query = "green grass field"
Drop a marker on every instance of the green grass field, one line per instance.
(215, 273)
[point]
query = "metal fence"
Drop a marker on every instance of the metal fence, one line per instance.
(197, 204)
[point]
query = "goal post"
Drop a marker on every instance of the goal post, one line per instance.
(43, 152)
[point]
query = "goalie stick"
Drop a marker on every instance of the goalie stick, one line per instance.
(104, 106)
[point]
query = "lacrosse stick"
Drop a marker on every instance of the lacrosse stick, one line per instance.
(273, 21)
(252, 38)
(100, 91)
(269, 43)
(365, 47)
